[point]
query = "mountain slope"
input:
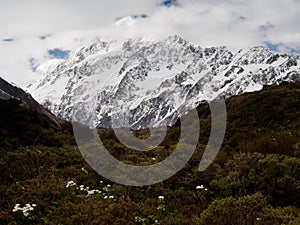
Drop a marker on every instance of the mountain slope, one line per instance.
(143, 83)
(23, 121)
(8, 91)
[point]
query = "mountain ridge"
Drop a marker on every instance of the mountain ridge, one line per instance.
(146, 83)
(10, 92)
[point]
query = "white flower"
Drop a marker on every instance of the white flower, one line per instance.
(81, 188)
(91, 192)
(84, 170)
(16, 207)
(153, 158)
(24, 209)
(200, 187)
(108, 185)
(101, 182)
(161, 197)
(111, 196)
(70, 184)
(205, 189)
(105, 197)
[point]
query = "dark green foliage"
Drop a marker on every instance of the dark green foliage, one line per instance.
(269, 118)
(243, 211)
(21, 125)
(275, 176)
(254, 179)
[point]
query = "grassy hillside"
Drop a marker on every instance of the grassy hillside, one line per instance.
(254, 180)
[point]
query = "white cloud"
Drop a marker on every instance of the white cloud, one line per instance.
(73, 23)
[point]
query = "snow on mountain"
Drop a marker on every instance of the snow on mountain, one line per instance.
(125, 21)
(49, 66)
(145, 83)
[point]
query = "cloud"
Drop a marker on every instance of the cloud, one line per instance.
(38, 26)
(265, 29)
(282, 48)
(36, 17)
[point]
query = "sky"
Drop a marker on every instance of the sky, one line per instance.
(35, 31)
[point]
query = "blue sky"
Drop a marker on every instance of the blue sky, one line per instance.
(169, 3)
(34, 31)
(55, 53)
(44, 37)
(8, 39)
(282, 48)
(33, 64)
(58, 53)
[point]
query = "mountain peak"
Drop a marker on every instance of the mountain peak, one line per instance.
(142, 82)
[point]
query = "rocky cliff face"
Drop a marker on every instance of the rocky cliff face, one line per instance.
(144, 83)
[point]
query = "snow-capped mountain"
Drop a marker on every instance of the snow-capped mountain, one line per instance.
(144, 83)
